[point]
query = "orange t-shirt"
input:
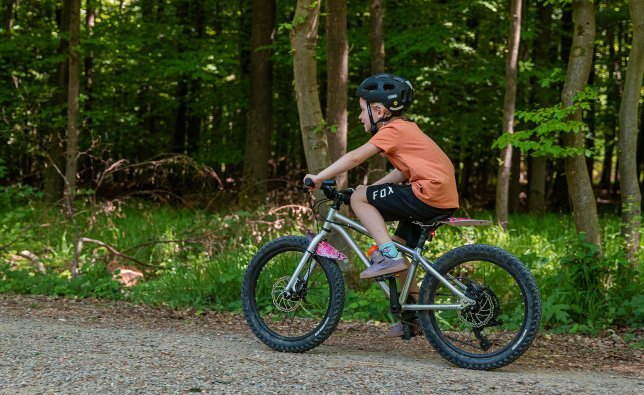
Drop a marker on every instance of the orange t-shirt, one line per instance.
(430, 172)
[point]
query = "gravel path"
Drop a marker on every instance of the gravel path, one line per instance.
(99, 353)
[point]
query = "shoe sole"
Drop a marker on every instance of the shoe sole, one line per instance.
(394, 269)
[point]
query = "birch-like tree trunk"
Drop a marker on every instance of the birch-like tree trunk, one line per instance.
(337, 81)
(505, 165)
(257, 147)
(628, 118)
(582, 197)
(304, 37)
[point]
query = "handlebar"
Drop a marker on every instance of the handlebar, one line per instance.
(328, 188)
(309, 183)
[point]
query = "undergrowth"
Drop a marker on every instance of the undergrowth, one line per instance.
(195, 258)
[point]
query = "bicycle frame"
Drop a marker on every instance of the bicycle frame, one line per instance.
(336, 221)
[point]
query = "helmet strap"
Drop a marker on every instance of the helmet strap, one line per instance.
(374, 124)
(374, 127)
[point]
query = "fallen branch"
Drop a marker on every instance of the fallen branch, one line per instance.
(33, 258)
(114, 251)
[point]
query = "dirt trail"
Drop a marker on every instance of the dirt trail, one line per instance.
(51, 345)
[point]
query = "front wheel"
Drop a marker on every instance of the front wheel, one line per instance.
(502, 323)
(296, 321)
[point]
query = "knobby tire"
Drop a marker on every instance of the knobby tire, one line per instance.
(313, 317)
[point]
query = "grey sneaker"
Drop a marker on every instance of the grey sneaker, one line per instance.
(381, 265)
(397, 330)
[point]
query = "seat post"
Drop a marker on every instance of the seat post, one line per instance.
(425, 235)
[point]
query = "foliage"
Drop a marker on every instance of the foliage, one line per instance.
(93, 282)
(550, 122)
(197, 258)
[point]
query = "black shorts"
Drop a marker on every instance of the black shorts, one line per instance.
(398, 203)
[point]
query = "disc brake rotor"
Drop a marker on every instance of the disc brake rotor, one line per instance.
(484, 312)
(281, 301)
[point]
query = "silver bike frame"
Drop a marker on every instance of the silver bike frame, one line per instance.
(338, 222)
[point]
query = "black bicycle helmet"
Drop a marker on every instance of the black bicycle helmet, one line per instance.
(395, 92)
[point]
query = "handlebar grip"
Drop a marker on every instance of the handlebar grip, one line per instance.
(309, 182)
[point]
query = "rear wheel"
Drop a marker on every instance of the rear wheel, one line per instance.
(301, 320)
(503, 322)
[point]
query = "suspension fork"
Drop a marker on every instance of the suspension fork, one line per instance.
(310, 251)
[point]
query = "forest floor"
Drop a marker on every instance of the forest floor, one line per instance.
(57, 345)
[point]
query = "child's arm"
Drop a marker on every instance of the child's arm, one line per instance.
(393, 177)
(347, 162)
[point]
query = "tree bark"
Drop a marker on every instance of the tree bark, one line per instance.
(377, 36)
(337, 81)
(509, 103)
(377, 164)
(580, 188)
(257, 147)
(628, 118)
(303, 37)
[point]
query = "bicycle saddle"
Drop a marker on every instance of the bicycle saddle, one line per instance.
(452, 221)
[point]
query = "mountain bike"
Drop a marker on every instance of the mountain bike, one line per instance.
(478, 306)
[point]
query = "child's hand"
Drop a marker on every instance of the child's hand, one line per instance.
(313, 179)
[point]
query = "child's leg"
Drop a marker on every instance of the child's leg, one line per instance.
(369, 216)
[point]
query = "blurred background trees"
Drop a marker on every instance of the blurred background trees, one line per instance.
(205, 89)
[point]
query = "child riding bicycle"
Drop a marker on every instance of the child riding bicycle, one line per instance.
(422, 185)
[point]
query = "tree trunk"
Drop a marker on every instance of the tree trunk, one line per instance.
(90, 20)
(509, 102)
(537, 185)
(7, 15)
(303, 37)
(544, 56)
(53, 135)
(337, 81)
(73, 110)
(628, 118)
(377, 164)
(197, 21)
(377, 36)
(73, 94)
(579, 185)
(257, 147)
(147, 119)
(613, 94)
(179, 136)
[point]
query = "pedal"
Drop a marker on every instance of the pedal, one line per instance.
(387, 277)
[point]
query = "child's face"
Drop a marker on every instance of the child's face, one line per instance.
(364, 114)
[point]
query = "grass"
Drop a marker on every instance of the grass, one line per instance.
(196, 258)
